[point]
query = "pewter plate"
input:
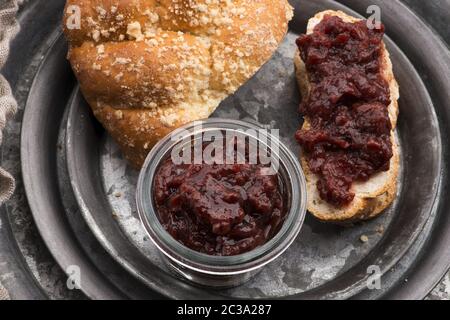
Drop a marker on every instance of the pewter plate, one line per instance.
(325, 261)
(299, 274)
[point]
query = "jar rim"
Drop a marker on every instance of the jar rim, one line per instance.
(221, 265)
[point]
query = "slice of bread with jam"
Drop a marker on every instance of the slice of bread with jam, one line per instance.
(374, 195)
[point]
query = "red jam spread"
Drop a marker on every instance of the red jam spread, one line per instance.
(218, 209)
(347, 107)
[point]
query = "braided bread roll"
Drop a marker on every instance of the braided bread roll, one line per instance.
(147, 67)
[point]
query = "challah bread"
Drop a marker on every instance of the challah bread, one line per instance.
(147, 67)
(373, 196)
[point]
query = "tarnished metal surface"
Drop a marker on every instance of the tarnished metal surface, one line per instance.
(19, 229)
(319, 253)
(326, 261)
(442, 291)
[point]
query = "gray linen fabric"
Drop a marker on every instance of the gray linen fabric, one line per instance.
(8, 105)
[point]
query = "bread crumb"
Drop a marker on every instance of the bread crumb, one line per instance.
(105, 33)
(96, 35)
(364, 238)
(101, 11)
(134, 30)
(100, 49)
(152, 42)
(154, 17)
(119, 114)
(119, 76)
(168, 120)
(120, 60)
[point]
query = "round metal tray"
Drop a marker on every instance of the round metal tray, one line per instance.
(325, 262)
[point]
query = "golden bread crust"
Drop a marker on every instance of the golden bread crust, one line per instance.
(147, 66)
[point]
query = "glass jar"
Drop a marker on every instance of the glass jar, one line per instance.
(222, 271)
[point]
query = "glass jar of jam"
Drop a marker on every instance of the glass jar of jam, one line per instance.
(221, 199)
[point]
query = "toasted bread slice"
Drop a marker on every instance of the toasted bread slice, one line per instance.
(376, 194)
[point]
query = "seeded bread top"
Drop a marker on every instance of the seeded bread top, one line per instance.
(147, 66)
